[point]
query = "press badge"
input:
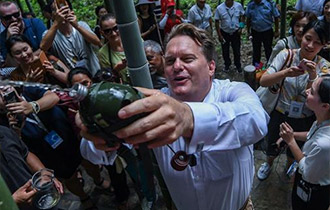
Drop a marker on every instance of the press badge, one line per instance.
(53, 139)
(303, 191)
(296, 109)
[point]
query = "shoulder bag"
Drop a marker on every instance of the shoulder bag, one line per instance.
(269, 95)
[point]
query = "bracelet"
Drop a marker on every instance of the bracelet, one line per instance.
(241, 24)
(35, 107)
(312, 80)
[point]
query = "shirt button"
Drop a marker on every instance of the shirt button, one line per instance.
(196, 178)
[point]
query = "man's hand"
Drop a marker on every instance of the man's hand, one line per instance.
(12, 29)
(61, 13)
(24, 194)
(22, 107)
(286, 132)
(168, 119)
(72, 19)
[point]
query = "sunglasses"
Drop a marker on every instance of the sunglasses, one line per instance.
(9, 17)
(110, 30)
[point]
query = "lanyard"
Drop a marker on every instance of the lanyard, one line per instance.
(202, 16)
(232, 15)
(36, 120)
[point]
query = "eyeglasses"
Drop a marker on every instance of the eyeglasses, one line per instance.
(9, 17)
(110, 30)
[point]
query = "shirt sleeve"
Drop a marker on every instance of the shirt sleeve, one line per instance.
(191, 17)
(236, 120)
(216, 14)
(278, 62)
(275, 11)
(317, 159)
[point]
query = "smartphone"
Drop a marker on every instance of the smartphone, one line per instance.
(38, 63)
(11, 97)
(302, 64)
(61, 3)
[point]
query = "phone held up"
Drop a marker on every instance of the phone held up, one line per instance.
(61, 3)
(9, 97)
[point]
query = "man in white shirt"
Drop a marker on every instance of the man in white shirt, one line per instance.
(216, 125)
(71, 41)
(200, 15)
(229, 21)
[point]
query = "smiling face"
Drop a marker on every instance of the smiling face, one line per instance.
(22, 52)
(109, 30)
(187, 71)
(310, 44)
(299, 27)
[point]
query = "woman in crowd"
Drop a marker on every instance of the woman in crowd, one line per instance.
(147, 21)
(111, 55)
(312, 183)
(297, 24)
(305, 67)
(20, 48)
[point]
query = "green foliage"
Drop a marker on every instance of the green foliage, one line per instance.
(84, 9)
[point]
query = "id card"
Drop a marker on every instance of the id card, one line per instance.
(296, 109)
(303, 193)
(53, 139)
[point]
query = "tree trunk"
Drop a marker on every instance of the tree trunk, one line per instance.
(109, 6)
(28, 4)
(41, 3)
(20, 5)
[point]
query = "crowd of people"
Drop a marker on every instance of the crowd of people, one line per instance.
(210, 123)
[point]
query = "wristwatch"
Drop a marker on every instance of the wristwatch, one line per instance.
(35, 107)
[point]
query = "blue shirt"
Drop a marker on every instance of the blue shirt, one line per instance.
(33, 30)
(262, 15)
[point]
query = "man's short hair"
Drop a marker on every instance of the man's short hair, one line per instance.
(106, 17)
(155, 46)
(200, 36)
(7, 4)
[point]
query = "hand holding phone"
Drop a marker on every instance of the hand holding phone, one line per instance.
(302, 65)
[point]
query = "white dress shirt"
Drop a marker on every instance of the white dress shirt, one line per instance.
(315, 165)
(227, 122)
(229, 17)
(200, 17)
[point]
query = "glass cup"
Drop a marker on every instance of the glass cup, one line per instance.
(47, 195)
